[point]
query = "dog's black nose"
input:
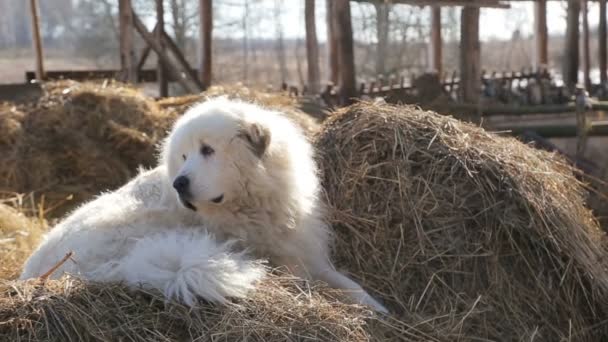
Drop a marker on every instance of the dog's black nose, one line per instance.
(181, 184)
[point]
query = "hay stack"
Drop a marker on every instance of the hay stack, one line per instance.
(463, 233)
(79, 139)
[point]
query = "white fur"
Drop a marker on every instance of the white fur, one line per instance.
(262, 169)
(185, 265)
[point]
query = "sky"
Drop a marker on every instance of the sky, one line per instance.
(494, 23)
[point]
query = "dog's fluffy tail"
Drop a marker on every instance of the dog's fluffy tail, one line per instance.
(186, 265)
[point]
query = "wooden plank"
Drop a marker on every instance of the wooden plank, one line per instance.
(436, 41)
(332, 44)
(344, 33)
(603, 51)
(163, 84)
(512, 110)
(127, 49)
(446, 3)
(172, 68)
(541, 35)
(571, 62)
(586, 51)
(470, 55)
(206, 37)
(145, 52)
(595, 129)
(145, 75)
(37, 40)
(312, 47)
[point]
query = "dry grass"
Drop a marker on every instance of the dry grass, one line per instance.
(19, 234)
(282, 309)
(78, 140)
(464, 234)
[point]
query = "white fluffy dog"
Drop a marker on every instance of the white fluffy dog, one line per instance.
(229, 171)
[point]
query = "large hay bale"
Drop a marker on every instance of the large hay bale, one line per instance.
(78, 140)
(460, 232)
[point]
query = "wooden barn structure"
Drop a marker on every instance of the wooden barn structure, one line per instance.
(173, 66)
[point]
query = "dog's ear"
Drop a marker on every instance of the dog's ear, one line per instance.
(257, 136)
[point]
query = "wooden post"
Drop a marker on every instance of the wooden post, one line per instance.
(541, 35)
(586, 56)
(163, 84)
(205, 35)
(127, 50)
(332, 44)
(470, 55)
(602, 44)
(35, 14)
(570, 67)
(312, 47)
(346, 59)
(436, 41)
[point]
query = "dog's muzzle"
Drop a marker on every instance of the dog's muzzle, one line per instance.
(181, 184)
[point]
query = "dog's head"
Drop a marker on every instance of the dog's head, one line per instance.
(215, 150)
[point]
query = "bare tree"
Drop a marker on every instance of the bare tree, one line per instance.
(332, 43)
(344, 33)
(312, 47)
(280, 44)
(244, 25)
(382, 27)
(571, 61)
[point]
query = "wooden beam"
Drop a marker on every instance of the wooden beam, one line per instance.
(470, 55)
(586, 51)
(571, 62)
(344, 34)
(175, 71)
(206, 37)
(603, 52)
(541, 35)
(312, 47)
(436, 41)
(145, 75)
(332, 44)
(192, 75)
(163, 84)
(127, 50)
(447, 3)
(145, 52)
(595, 129)
(35, 15)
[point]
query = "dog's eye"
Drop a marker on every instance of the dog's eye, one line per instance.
(206, 150)
(184, 157)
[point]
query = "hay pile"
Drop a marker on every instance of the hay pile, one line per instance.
(78, 140)
(462, 233)
(282, 309)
